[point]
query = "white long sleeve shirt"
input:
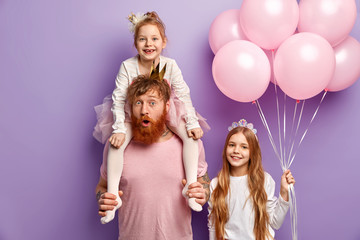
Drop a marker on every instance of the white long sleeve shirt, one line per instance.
(129, 69)
(241, 216)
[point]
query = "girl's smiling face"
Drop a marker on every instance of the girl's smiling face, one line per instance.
(149, 43)
(238, 154)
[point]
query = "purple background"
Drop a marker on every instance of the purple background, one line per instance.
(59, 58)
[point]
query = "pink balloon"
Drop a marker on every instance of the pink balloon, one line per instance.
(270, 55)
(347, 69)
(268, 23)
(225, 28)
(304, 65)
(331, 19)
(241, 71)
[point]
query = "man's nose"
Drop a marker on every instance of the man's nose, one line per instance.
(144, 109)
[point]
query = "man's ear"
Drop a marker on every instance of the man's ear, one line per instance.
(167, 106)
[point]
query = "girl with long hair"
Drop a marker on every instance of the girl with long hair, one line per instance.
(242, 204)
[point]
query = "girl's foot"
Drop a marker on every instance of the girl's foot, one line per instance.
(191, 201)
(110, 214)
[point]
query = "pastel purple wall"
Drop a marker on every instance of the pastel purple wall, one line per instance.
(59, 58)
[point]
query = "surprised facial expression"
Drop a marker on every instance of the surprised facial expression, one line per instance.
(148, 118)
(149, 105)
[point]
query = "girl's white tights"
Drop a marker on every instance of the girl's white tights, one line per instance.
(190, 160)
(115, 162)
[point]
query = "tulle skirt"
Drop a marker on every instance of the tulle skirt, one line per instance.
(105, 120)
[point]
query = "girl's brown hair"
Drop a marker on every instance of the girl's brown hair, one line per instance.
(154, 19)
(256, 179)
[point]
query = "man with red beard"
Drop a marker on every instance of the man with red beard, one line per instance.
(151, 184)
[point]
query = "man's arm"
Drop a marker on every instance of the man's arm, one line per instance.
(101, 188)
(205, 182)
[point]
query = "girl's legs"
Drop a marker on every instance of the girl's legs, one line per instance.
(190, 160)
(115, 162)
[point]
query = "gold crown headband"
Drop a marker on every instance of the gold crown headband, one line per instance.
(155, 72)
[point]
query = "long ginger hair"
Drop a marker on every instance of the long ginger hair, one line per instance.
(256, 179)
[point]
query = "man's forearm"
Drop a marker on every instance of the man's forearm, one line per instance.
(98, 193)
(101, 188)
(205, 181)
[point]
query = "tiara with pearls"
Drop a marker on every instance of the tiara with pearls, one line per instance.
(242, 123)
(135, 19)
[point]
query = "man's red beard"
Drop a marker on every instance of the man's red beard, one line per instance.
(152, 132)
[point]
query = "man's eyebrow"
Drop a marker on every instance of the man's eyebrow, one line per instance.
(154, 96)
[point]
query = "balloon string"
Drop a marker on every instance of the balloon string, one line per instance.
(292, 197)
(278, 117)
(302, 138)
(284, 130)
(263, 119)
(296, 132)
(297, 129)
(293, 121)
(293, 211)
(293, 136)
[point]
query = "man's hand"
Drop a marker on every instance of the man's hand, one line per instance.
(197, 191)
(117, 139)
(106, 201)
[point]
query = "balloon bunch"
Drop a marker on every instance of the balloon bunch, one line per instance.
(303, 48)
(310, 40)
